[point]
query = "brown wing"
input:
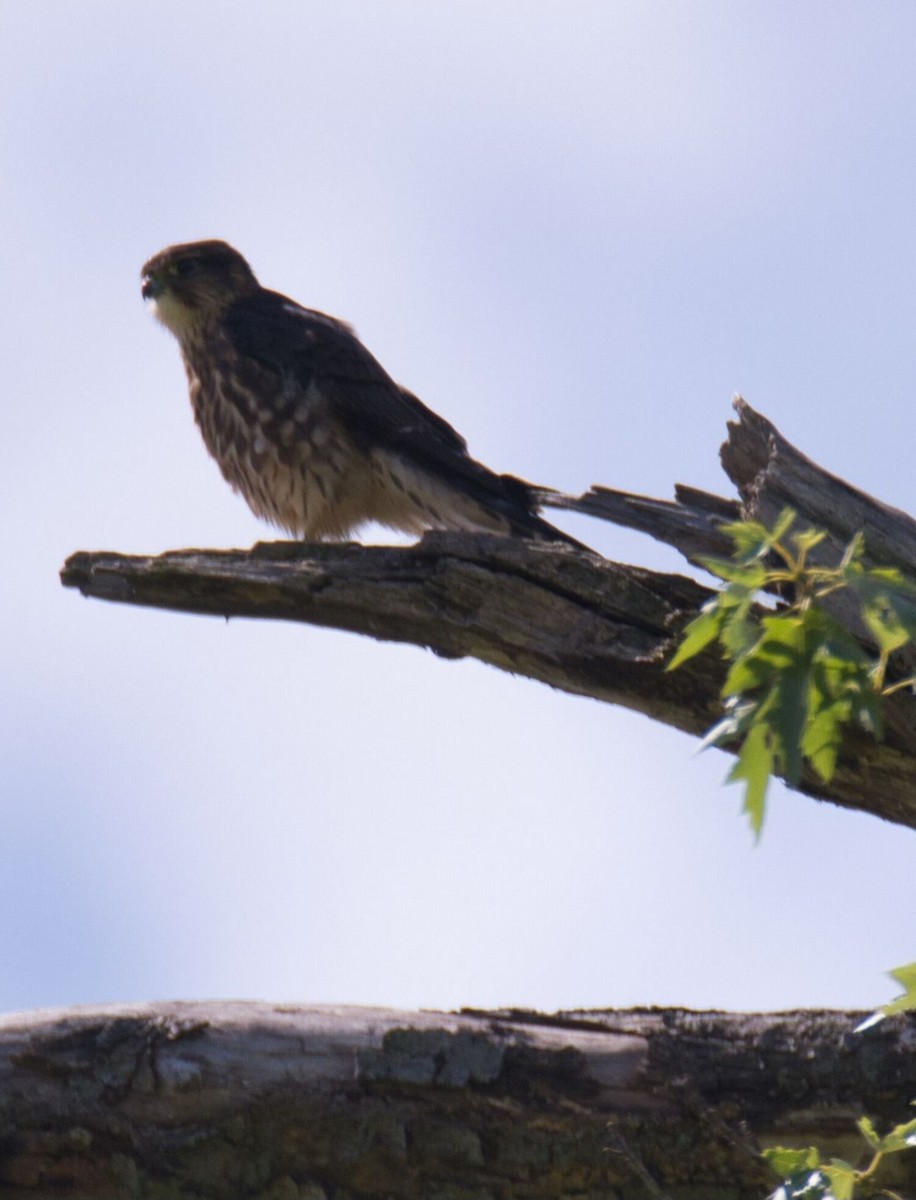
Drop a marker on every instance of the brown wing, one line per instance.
(306, 348)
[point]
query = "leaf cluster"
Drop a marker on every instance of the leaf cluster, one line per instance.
(806, 1177)
(906, 977)
(797, 677)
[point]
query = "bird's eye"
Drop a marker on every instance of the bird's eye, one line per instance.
(185, 267)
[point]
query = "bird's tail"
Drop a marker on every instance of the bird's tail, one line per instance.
(526, 521)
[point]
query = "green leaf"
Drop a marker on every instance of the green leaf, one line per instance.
(867, 1129)
(779, 662)
(906, 977)
(783, 524)
(837, 643)
(901, 1137)
(788, 716)
(772, 653)
(839, 691)
(739, 629)
(821, 740)
(853, 552)
(800, 1171)
(749, 672)
(754, 766)
(750, 576)
(842, 1179)
(786, 1161)
(888, 601)
(884, 624)
(797, 677)
(808, 539)
(752, 540)
(697, 635)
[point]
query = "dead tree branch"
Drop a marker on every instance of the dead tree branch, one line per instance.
(564, 617)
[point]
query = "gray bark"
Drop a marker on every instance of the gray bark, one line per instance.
(279, 1102)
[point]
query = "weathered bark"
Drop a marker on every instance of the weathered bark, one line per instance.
(564, 617)
(771, 474)
(278, 1102)
(691, 523)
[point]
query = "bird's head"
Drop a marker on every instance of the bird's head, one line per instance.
(192, 284)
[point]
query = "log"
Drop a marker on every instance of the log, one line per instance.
(287, 1102)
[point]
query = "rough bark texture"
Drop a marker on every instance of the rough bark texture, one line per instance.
(770, 474)
(564, 617)
(232, 1100)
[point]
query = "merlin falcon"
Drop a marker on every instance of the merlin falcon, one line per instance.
(307, 425)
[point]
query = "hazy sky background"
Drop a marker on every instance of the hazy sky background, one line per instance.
(576, 230)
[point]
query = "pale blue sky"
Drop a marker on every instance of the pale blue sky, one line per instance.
(575, 230)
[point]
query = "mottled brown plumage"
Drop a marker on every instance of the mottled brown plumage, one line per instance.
(306, 424)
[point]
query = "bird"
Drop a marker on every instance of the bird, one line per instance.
(307, 425)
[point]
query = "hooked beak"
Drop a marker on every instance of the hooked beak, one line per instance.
(151, 288)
